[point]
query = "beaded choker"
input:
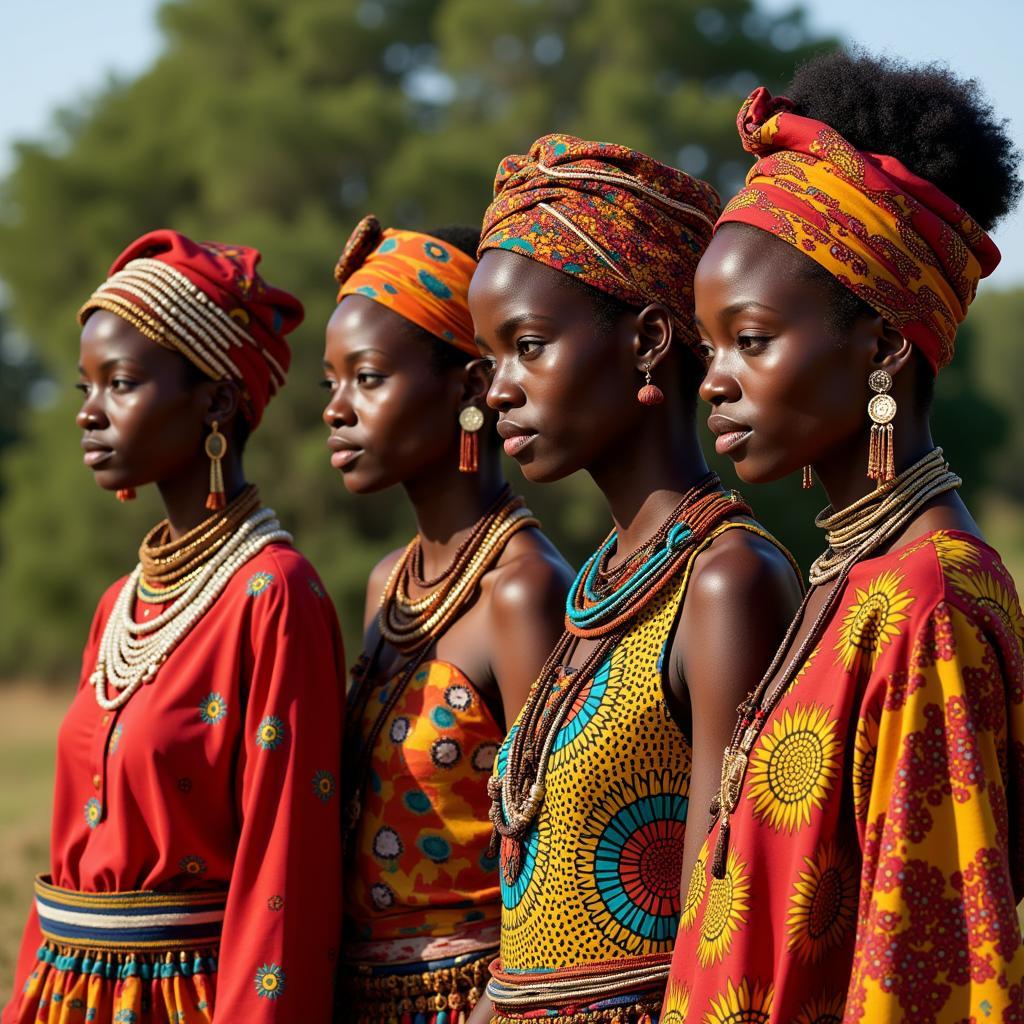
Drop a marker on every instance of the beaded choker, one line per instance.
(413, 626)
(132, 652)
(852, 535)
(517, 796)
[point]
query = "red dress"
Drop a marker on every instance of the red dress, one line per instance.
(876, 857)
(221, 773)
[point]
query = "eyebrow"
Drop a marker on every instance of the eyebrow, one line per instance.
(108, 364)
(743, 305)
(512, 322)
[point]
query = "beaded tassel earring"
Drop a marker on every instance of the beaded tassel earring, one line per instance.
(808, 481)
(125, 494)
(882, 411)
(216, 449)
(471, 419)
(650, 393)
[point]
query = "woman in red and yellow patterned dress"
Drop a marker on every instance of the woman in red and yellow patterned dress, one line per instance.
(865, 855)
(457, 625)
(195, 845)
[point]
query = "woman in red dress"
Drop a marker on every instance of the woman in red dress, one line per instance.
(457, 625)
(195, 848)
(865, 857)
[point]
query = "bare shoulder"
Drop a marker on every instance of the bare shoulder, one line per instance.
(740, 565)
(530, 575)
(378, 578)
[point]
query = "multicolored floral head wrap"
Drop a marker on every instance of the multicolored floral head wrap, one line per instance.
(420, 277)
(617, 219)
(208, 302)
(895, 240)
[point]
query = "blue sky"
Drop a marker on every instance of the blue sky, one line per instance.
(53, 53)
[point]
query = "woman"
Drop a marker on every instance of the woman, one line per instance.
(196, 843)
(865, 860)
(582, 295)
(457, 624)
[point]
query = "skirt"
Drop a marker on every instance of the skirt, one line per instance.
(123, 957)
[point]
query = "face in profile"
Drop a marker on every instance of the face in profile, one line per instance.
(142, 414)
(564, 386)
(786, 388)
(392, 413)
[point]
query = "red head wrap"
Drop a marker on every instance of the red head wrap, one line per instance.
(892, 238)
(420, 277)
(616, 219)
(207, 301)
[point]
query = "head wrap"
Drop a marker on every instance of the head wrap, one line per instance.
(207, 301)
(420, 277)
(616, 219)
(895, 240)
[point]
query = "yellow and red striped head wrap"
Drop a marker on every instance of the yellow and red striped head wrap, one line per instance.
(422, 278)
(893, 238)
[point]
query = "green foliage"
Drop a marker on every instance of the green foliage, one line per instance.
(278, 125)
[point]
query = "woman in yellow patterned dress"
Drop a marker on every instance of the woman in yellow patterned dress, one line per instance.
(456, 626)
(583, 301)
(866, 857)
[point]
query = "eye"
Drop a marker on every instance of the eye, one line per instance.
(121, 384)
(705, 351)
(83, 387)
(327, 384)
(369, 379)
(528, 347)
(752, 343)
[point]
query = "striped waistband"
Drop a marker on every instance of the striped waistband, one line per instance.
(576, 985)
(122, 922)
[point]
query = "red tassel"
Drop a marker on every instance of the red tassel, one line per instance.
(216, 500)
(469, 452)
(125, 494)
(650, 394)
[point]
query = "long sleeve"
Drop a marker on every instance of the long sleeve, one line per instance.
(282, 923)
(936, 768)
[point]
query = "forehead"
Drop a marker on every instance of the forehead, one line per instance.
(511, 284)
(359, 322)
(106, 337)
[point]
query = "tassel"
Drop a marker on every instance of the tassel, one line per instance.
(890, 457)
(808, 481)
(469, 452)
(721, 848)
(125, 494)
(216, 449)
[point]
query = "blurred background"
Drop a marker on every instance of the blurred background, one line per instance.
(279, 124)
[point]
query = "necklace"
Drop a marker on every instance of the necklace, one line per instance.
(414, 626)
(131, 652)
(852, 535)
(518, 794)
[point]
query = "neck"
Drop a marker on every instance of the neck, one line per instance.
(184, 497)
(844, 473)
(447, 504)
(647, 472)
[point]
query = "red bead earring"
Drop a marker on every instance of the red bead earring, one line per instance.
(125, 494)
(650, 393)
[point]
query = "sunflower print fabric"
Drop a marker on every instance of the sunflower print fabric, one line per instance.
(875, 858)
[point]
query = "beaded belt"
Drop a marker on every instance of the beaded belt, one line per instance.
(446, 988)
(127, 922)
(630, 989)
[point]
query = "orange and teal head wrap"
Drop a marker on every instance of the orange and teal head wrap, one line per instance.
(895, 240)
(616, 219)
(422, 278)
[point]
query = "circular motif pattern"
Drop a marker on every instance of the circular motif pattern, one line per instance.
(212, 709)
(434, 847)
(270, 734)
(269, 982)
(518, 896)
(417, 801)
(745, 1003)
(275, 903)
(193, 865)
(822, 905)
(695, 890)
(324, 785)
(725, 910)
(115, 738)
(399, 730)
(258, 583)
(585, 710)
(382, 896)
(458, 697)
(442, 717)
(436, 251)
(93, 812)
(882, 409)
(880, 381)
(484, 755)
(873, 620)
(387, 844)
(445, 753)
(471, 419)
(793, 767)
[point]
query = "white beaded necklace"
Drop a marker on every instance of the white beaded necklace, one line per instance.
(132, 652)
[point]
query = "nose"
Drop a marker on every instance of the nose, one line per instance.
(504, 393)
(338, 412)
(719, 384)
(91, 415)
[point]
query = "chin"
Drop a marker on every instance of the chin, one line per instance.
(363, 483)
(760, 471)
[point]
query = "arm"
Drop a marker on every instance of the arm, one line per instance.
(527, 615)
(375, 586)
(282, 923)
(739, 603)
(937, 935)
(482, 1012)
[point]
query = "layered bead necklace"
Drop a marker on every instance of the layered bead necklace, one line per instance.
(602, 605)
(413, 625)
(190, 573)
(851, 534)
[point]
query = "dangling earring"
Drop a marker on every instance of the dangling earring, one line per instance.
(650, 393)
(882, 411)
(808, 481)
(216, 449)
(471, 419)
(125, 494)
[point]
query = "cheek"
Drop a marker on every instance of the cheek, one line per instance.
(409, 424)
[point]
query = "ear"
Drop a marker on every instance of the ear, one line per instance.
(223, 401)
(653, 335)
(476, 383)
(889, 349)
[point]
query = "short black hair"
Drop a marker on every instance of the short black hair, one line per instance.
(467, 240)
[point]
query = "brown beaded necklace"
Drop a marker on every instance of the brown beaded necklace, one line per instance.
(902, 498)
(414, 627)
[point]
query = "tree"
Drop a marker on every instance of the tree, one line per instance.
(278, 125)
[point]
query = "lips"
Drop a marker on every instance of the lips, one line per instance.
(343, 452)
(95, 452)
(730, 434)
(514, 437)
